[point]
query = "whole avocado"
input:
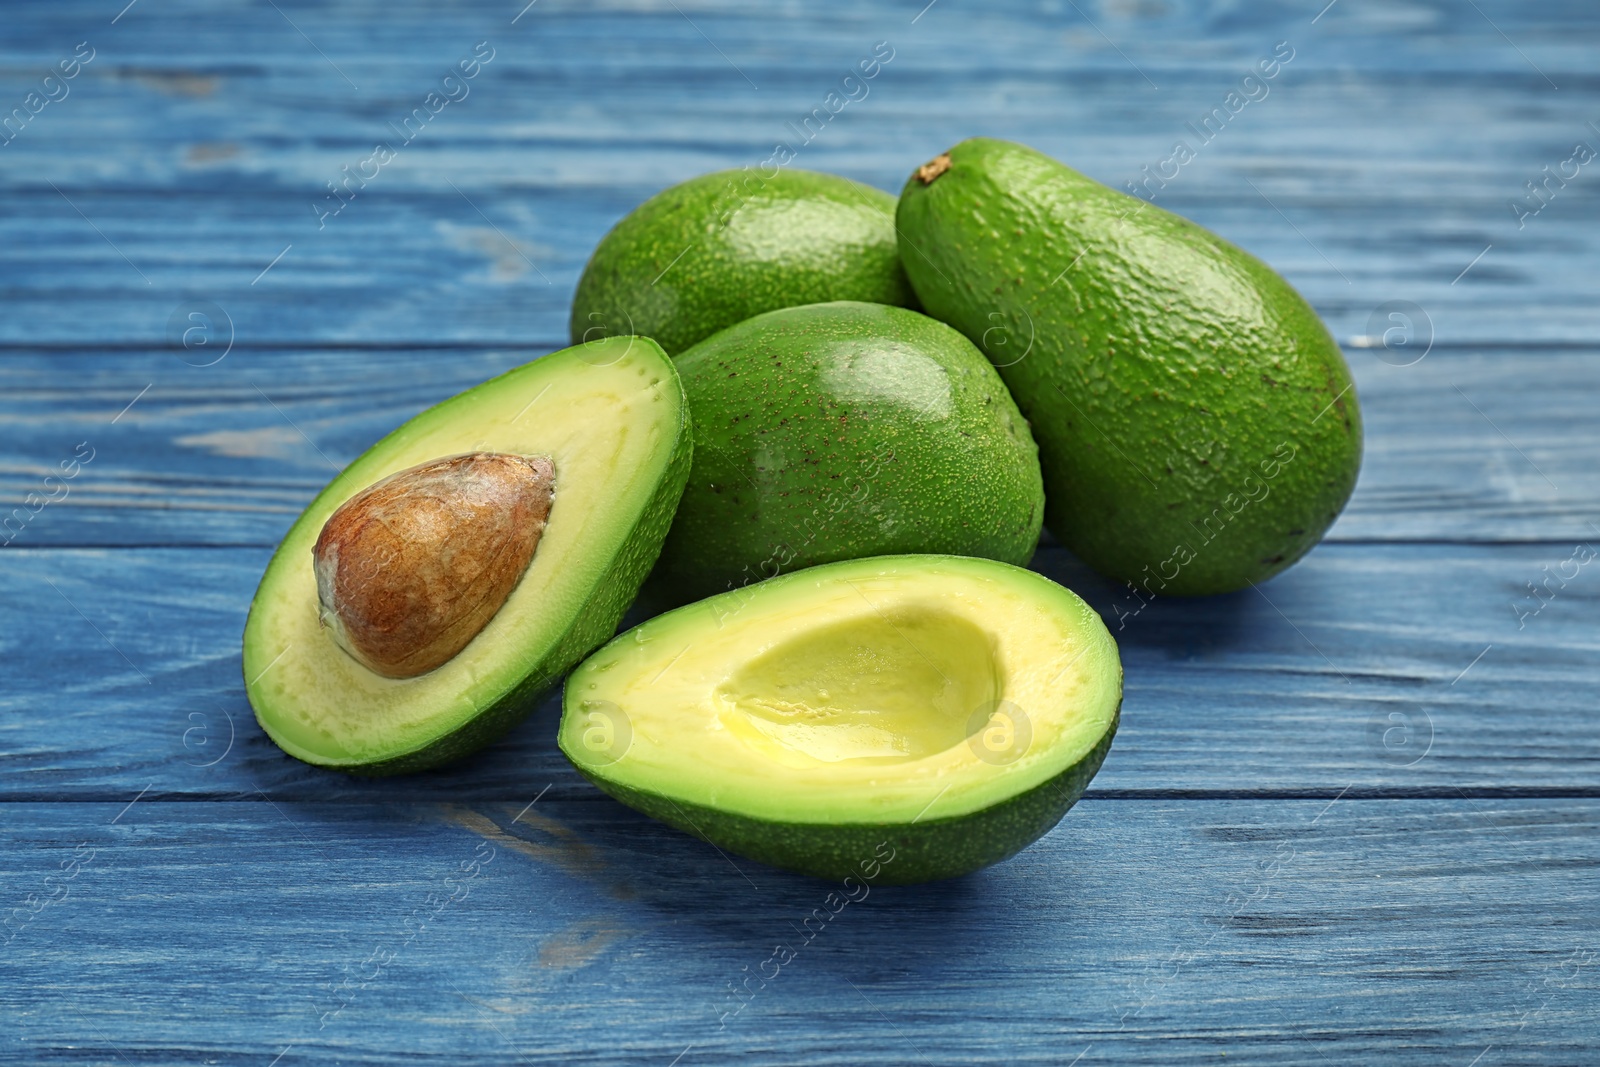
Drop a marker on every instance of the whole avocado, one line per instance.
(722, 247)
(842, 430)
(1197, 425)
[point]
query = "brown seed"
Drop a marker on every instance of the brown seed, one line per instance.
(410, 569)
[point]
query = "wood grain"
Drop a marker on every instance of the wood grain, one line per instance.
(1367, 667)
(1467, 445)
(179, 173)
(1350, 817)
(1284, 932)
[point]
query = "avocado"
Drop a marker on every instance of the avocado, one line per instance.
(835, 431)
(1197, 424)
(896, 719)
(544, 493)
(722, 247)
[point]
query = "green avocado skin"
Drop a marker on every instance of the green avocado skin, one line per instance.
(1196, 423)
(842, 430)
(722, 247)
(596, 625)
(927, 850)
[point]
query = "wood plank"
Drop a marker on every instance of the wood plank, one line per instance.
(1407, 932)
(194, 166)
(1367, 668)
(501, 268)
(1467, 445)
(213, 900)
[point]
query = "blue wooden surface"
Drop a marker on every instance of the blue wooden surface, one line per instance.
(1349, 818)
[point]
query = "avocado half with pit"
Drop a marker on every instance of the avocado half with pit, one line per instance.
(439, 584)
(897, 719)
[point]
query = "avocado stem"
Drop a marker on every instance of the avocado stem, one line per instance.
(933, 168)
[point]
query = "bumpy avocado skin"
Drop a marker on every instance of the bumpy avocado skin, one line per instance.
(842, 430)
(927, 850)
(1196, 423)
(595, 625)
(722, 247)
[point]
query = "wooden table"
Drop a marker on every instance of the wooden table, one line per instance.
(1351, 818)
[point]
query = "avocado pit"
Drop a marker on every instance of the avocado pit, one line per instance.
(412, 568)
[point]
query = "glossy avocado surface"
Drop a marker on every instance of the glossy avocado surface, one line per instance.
(1197, 425)
(722, 247)
(836, 431)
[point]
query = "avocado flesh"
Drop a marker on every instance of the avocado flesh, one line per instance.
(812, 718)
(1196, 423)
(613, 418)
(722, 247)
(842, 430)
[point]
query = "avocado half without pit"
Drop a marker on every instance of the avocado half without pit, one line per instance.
(433, 591)
(897, 718)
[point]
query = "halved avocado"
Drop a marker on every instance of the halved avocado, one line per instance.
(613, 419)
(898, 718)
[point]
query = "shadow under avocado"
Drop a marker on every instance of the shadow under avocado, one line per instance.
(1182, 627)
(751, 909)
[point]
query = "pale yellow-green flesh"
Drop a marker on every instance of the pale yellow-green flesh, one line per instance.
(605, 414)
(866, 691)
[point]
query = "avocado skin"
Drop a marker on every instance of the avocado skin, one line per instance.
(813, 444)
(1196, 423)
(924, 851)
(596, 624)
(722, 247)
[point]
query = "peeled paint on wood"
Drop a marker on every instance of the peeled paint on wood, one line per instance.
(412, 568)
